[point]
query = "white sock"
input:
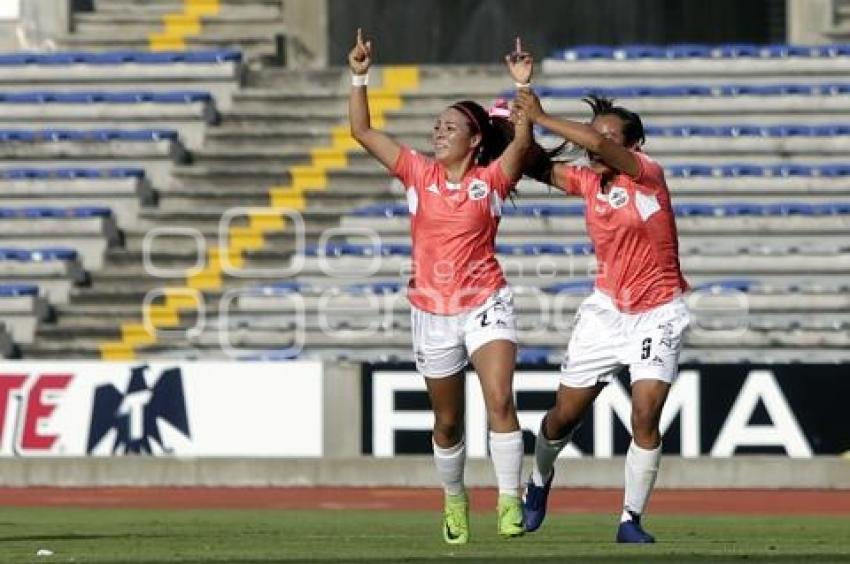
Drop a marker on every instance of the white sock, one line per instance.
(545, 453)
(450, 463)
(506, 452)
(641, 471)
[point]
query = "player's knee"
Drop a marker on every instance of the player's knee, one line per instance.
(563, 418)
(500, 407)
(644, 422)
(448, 428)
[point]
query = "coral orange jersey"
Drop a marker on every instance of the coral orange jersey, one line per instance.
(453, 228)
(633, 231)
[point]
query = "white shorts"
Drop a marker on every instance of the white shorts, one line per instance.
(442, 344)
(604, 341)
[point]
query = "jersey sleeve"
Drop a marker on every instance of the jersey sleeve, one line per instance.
(651, 175)
(573, 179)
(496, 178)
(409, 166)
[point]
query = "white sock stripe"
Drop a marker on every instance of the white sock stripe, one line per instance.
(506, 453)
(448, 452)
(641, 470)
(509, 437)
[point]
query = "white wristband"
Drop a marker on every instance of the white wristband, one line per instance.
(359, 79)
(522, 84)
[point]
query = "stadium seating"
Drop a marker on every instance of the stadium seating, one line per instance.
(186, 111)
(124, 190)
(21, 311)
(755, 159)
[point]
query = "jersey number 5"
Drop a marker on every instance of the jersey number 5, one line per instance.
(645, 348)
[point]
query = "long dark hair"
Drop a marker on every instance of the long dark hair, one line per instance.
(633, 133)
(494, 138)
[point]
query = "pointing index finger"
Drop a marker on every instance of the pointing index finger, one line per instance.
(518, 48)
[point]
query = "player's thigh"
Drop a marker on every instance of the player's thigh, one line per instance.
(654, 344)
(592, 355)
(438, 348)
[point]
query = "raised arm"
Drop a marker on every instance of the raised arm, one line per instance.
(515, 157)
(377, 143)
(614, 155)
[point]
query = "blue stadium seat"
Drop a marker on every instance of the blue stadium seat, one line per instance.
(543, 249)
(739, 284)
(120, 57)
(746, 131)
(38, 255)
(789, 130)
(689, 51)
(736, 50)
(781, 51)
(126, 172)
(584, 52)
(533, 355)
(508, 249)
(148, 135)
(682, 90)
(640, 52)
(62, 58)
(383, 287)
(741, 169)
(60, 134)
(14, 255)
(688, 170)
(270, 356)
(280, 288)
(382, 210)
(573, 287)
(533, 249)
(16, 290)
(106, 134)
(694, 210)
(77, 172)
(790, 170)
(24, 173)
(395, 249)
(790, 208)
(741, 208)
(834, 208)
(839, 50)
(16, 135)
(89, 211)
(180, 97)
(831, 130)
(218, 56)
(53, 253)
(834, 170)
(545, 210)
(17, 59)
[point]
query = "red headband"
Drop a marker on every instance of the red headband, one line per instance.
(469, 115)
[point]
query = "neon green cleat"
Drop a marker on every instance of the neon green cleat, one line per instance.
(510, 516)
(456, 519)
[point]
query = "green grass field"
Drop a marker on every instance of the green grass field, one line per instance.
(77, 535)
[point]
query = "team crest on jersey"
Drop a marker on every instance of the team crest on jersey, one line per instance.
(478, 190)
(618, 197)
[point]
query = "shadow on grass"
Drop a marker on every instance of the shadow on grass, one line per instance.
(599, 559)
(73, 536)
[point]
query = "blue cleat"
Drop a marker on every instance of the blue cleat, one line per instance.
(534, 503)
(632, 532)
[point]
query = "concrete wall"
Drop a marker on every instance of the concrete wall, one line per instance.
(41, 21)
(808, 19)
(762, 472)
(307, 33)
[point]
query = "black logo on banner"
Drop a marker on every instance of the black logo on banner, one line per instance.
(135, 415)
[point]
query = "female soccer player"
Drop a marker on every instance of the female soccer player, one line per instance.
(461, 307)
(635, 317)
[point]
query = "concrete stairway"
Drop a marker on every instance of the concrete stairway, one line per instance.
(249, 25)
